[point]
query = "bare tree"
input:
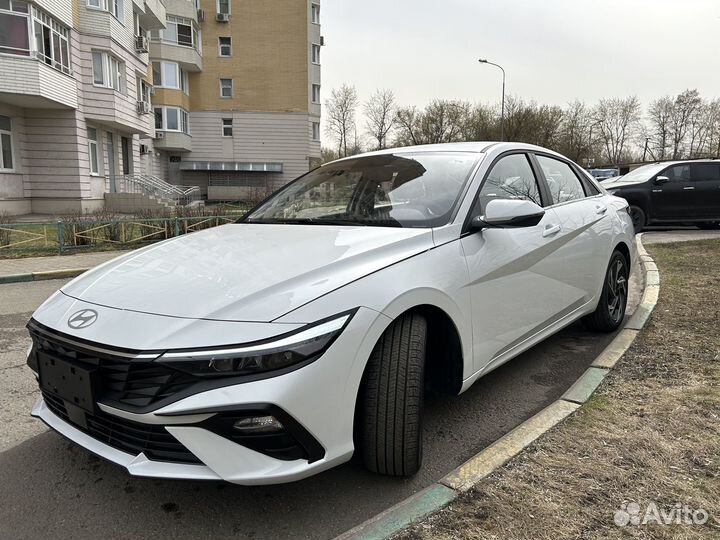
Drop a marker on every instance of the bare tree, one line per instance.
(576, 132)
(340, 112)
(441, 121)
(617, 120)
(684, 109)
(381, 116)
(660, 114)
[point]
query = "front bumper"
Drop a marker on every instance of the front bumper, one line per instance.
(320, 397)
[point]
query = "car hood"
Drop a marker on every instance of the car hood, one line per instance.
(619, 183)
(245, 272)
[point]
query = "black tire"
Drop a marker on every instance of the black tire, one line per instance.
(392, 399)
(710, 225)
(610, 312)
(639, 219)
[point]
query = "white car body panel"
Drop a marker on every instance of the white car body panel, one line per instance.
(503, 289)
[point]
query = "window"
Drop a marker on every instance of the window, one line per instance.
(93, 151)
(14, 37)
(6, 149)
(51, 41)
(315, 13)
(316, 93)
(701, 172)
(179, 30)
(170, 75)
(113, 6)
(107, 71)
(561, 179)
(315, 53)
(172, 119)
(678, 173)
(143, 90)
(223, 6)
(226, 88)
(511, 178)
(225, 46)
(227, 127)
(316, 131)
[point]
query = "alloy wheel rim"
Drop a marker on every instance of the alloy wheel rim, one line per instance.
(617, 290)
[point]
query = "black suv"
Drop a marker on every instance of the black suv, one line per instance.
(672, 192)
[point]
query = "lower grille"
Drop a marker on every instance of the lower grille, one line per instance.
(125, 435)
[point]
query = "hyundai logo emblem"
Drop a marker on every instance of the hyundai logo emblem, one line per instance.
(82, 319)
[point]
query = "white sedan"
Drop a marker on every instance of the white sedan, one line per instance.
(272, 349)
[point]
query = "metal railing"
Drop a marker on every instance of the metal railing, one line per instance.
(158, 188)
(80, 233)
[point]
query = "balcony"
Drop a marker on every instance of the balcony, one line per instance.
(172, 141)
(183, 8)
(29, 82)
(188, 57)
(151, 13)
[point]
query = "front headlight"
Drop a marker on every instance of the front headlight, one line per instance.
(300, 347)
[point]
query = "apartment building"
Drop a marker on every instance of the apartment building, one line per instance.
(223, 94)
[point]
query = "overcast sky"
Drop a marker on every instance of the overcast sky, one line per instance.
(553, 50)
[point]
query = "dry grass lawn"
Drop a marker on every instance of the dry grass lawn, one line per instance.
(651, 434)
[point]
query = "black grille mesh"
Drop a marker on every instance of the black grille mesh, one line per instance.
(131, 437)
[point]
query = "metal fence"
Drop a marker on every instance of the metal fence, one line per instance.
(81, 234)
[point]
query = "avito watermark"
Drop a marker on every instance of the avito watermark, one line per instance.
(632, 514)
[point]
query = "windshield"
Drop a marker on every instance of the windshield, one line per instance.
(644, 173)
(387, 190)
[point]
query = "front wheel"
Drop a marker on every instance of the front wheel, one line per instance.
(610, 312)
(639, 220)
(392, 399)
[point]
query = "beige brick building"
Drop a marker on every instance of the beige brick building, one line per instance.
(223, 94)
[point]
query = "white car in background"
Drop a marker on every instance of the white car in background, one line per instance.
(272, 349)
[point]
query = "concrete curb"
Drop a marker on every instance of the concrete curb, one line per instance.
(469, 474)
(42, 276)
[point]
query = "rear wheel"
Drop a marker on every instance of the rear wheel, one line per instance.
(610, 311)
(392, 399)
(710, 225)
(639, 220)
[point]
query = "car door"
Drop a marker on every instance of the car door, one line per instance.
(706, 181)
(674, 199)
(512, 272)
(583, 245)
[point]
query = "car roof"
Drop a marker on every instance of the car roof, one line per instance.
(473, 147)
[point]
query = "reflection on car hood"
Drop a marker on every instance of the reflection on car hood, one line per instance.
(245, 272)
(618, 183)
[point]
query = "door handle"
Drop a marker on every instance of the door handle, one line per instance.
(689, 188)
(551, 230)
(600, 209)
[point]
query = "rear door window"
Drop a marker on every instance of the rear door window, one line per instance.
(703, 172)
(562, 181)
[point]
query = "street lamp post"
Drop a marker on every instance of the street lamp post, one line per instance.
(502, 105)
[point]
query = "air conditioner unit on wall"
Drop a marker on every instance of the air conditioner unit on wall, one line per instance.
(159, 134)
(141, 44)
(222, 17)
(144, 149)
(200, 15)
(143, 107)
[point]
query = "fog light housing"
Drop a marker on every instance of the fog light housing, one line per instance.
(258, 424)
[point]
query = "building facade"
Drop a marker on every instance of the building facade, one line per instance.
(223, 94)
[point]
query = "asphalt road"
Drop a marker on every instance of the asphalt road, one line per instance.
(50, 488)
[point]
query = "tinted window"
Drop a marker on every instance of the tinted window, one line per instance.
(510, 178)
(563, 183)
(678, 173)
(705, 171)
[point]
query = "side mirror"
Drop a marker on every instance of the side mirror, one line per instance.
(660, 180)
(508, 213)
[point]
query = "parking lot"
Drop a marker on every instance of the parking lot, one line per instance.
(71, 493)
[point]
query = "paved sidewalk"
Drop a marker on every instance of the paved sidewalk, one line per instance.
(54, 263)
